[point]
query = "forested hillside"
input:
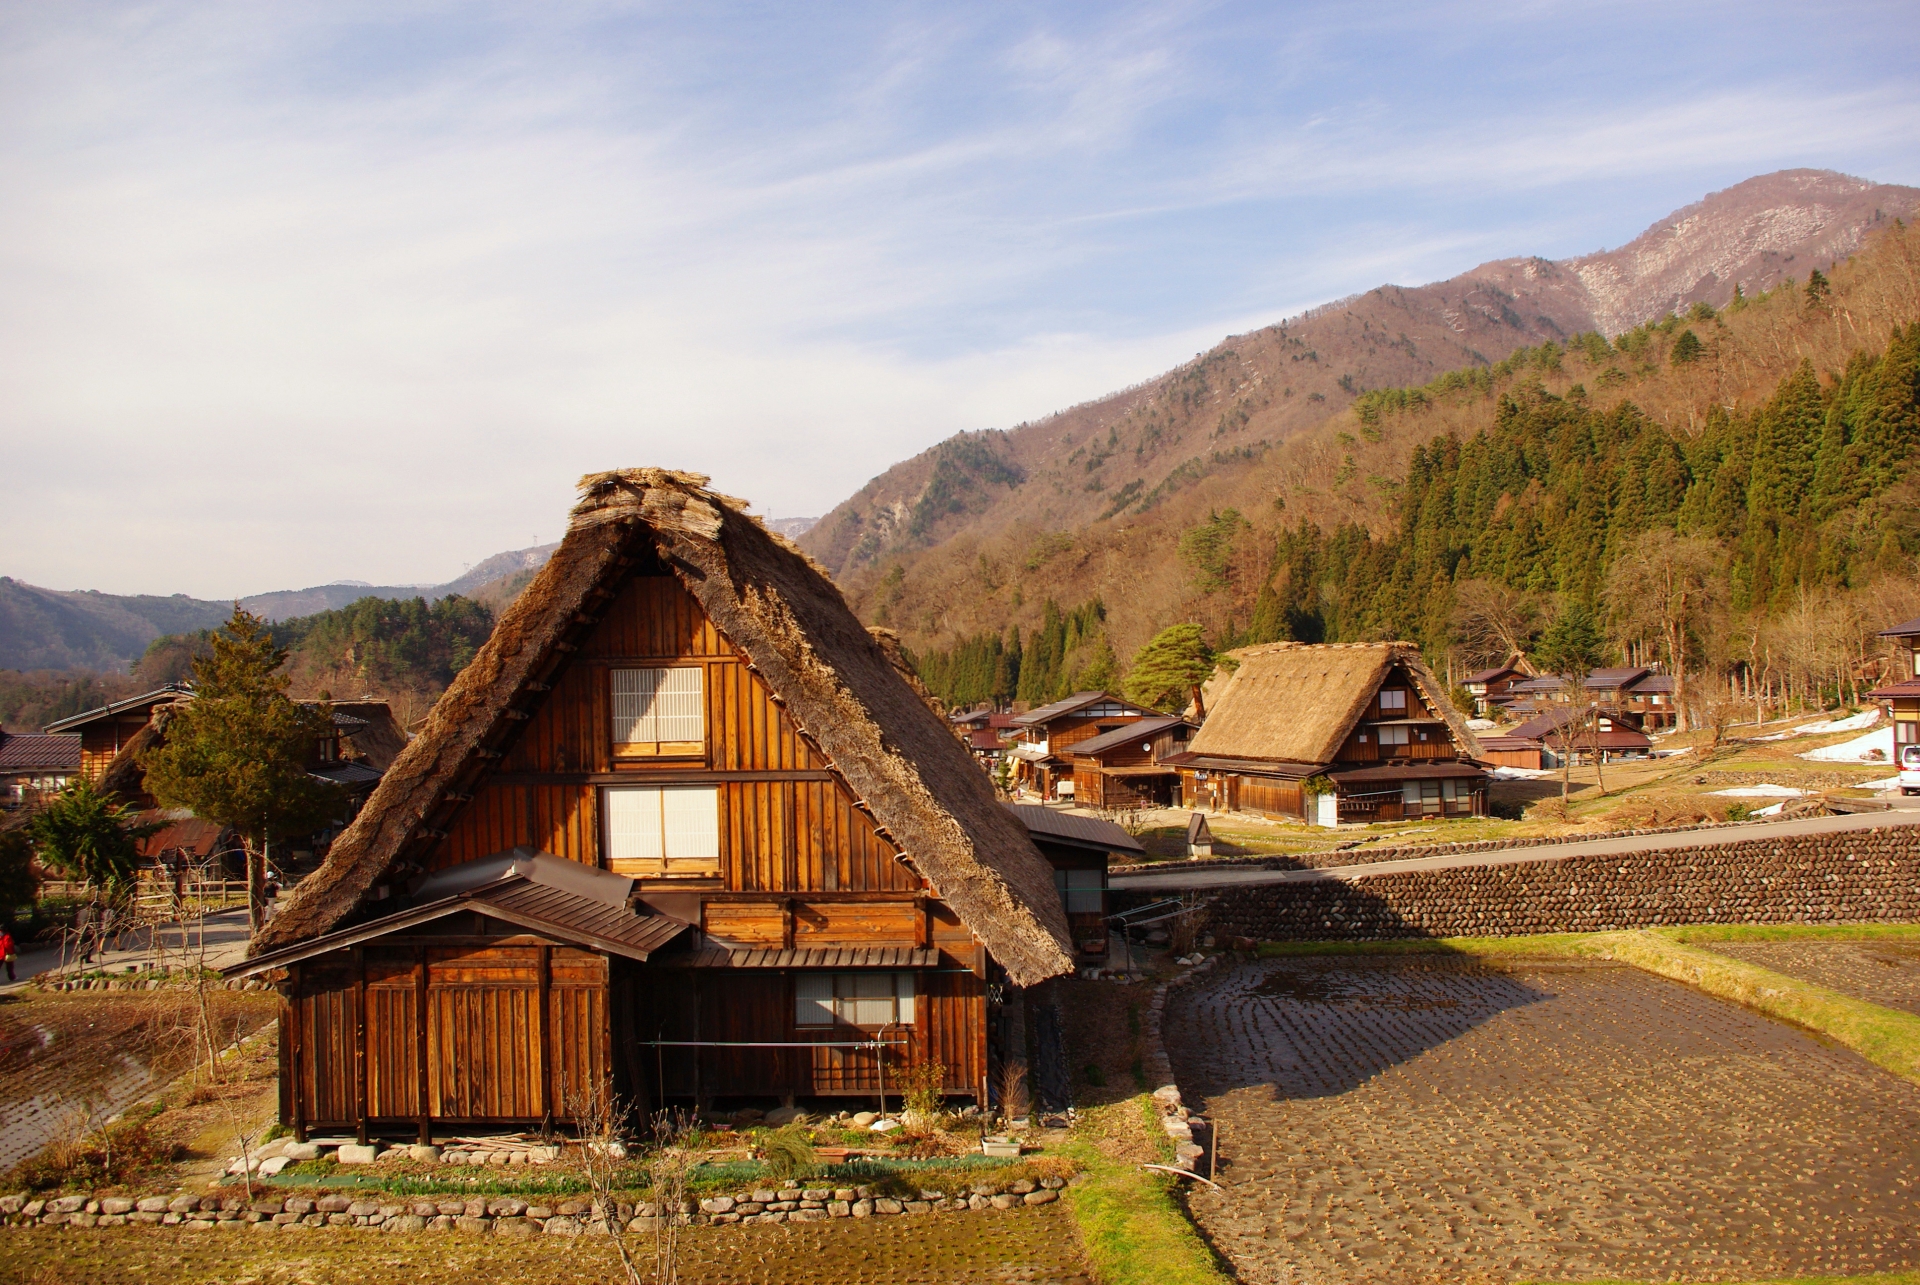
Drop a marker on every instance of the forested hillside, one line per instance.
(1148, 459)
(1759, 456)
(403, 650)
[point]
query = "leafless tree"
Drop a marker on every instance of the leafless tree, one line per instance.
(1665, 584)
(1492, 621)
(598, 1115)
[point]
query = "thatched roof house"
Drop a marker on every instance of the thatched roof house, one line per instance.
(835, 680)
(1299, 702)
(1371, 719)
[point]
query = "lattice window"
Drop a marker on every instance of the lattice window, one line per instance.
(656, 707)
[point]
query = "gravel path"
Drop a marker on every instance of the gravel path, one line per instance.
(1432, 1119)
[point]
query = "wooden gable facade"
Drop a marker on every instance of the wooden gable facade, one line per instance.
(792, 937)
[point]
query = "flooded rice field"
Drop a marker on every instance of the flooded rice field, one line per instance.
(1433, 1118)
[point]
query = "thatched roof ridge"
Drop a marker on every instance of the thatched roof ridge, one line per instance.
(835, 679)
(1299, 701)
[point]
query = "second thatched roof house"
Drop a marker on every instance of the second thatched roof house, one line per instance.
(1333, 732)
(681, 823)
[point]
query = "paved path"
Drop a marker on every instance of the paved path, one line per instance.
(226, 943)
(1178, 879)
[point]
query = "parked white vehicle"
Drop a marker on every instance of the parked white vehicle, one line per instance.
(1910, 769)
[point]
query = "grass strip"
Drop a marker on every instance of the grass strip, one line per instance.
(1792, 932)
(1132, 1229)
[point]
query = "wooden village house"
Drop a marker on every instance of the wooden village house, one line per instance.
(1568, 733)
(1040, 755)
(35, 766)
(1492, 689)
(1903, 696)
(1078, 848)
(1127, 768)
(680, 826)
(1329, 733)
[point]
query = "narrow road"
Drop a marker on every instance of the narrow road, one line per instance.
(226, 943)
(1177, 879)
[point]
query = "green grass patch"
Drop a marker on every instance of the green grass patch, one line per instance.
(1792, 932)
(1132, 1227)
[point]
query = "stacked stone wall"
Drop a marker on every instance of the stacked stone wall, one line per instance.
(1856, 876)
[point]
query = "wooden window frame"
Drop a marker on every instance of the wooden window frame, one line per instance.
(654, 751)
(667, 865)
(905, 1006)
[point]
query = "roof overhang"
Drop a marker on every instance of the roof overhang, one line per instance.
(1457, 770)
(808, 957)
(517, 899)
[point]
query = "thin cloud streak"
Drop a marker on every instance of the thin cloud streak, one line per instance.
(369, 288)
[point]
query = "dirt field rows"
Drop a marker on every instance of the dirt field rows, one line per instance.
(1423, 1118)
(1880, 972)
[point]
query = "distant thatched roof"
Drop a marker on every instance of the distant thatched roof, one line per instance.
(1297, 702)
(379, 738)
(835, 679)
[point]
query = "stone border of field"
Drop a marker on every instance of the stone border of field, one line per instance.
(507, 1215)
(1333, 858)
(1867, 875)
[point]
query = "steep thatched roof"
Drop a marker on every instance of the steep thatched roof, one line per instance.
(777, 607)
(1298, 701)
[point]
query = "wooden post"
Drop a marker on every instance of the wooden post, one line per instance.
(296, 1073)
(360, 1045)
(541, 1025)
(420, 1047)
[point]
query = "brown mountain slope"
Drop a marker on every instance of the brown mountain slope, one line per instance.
(1122, 459)
(999, 565)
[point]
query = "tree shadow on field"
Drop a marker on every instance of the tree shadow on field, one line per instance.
(1319, 1026)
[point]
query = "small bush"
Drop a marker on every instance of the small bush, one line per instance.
(786, 1151)
(922, 1088)
(117, 1155)
(1739, 811)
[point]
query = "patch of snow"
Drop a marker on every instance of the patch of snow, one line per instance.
(1854, 723)
(1891, 783)
(1764, 791)
(1858, 750)
(1481, 724)
(1520, 773)
(1772, 811)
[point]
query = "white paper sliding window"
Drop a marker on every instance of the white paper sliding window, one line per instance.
(663, 830)
(869, 1000)
(659, 711)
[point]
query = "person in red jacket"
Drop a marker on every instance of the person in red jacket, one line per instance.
(7, 951)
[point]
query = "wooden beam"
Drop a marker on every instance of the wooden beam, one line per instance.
(543, 1024)
(646, 775)
(298, 1077)
(360, 1044)
(421, 1029)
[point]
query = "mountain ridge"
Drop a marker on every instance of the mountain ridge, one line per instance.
(63, 629)
(1238, 401)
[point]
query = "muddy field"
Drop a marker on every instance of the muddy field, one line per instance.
(1427, 1118)
(1880, 972)
(1022, 1247)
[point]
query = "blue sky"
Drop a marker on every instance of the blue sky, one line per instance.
(291, 294)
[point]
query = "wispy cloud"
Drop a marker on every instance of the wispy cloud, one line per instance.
(359, 290)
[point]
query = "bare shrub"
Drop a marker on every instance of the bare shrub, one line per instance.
(1013, 1091)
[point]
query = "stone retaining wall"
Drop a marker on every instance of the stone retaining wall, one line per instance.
(1355, 856)
(1856, 876)
(505, 1215)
